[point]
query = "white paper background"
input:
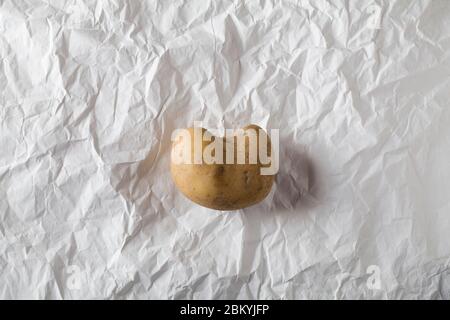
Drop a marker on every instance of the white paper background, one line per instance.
(91, 91)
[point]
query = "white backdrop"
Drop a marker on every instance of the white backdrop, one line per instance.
(90, 92)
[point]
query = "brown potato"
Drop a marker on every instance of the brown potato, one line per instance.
(222, 186)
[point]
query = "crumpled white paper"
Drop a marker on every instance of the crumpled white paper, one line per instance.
(91, 91)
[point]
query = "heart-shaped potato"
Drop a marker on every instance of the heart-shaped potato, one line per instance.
(229, 184)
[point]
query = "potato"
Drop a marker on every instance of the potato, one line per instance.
(226, 186)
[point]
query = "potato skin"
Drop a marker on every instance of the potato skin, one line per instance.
(222, 186)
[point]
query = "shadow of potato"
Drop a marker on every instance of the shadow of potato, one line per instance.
(295, 185)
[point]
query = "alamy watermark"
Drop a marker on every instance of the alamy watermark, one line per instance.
(374, 21)
(374, 280)
(250, 145)
(75, 276)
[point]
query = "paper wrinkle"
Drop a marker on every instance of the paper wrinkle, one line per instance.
(90, 95)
